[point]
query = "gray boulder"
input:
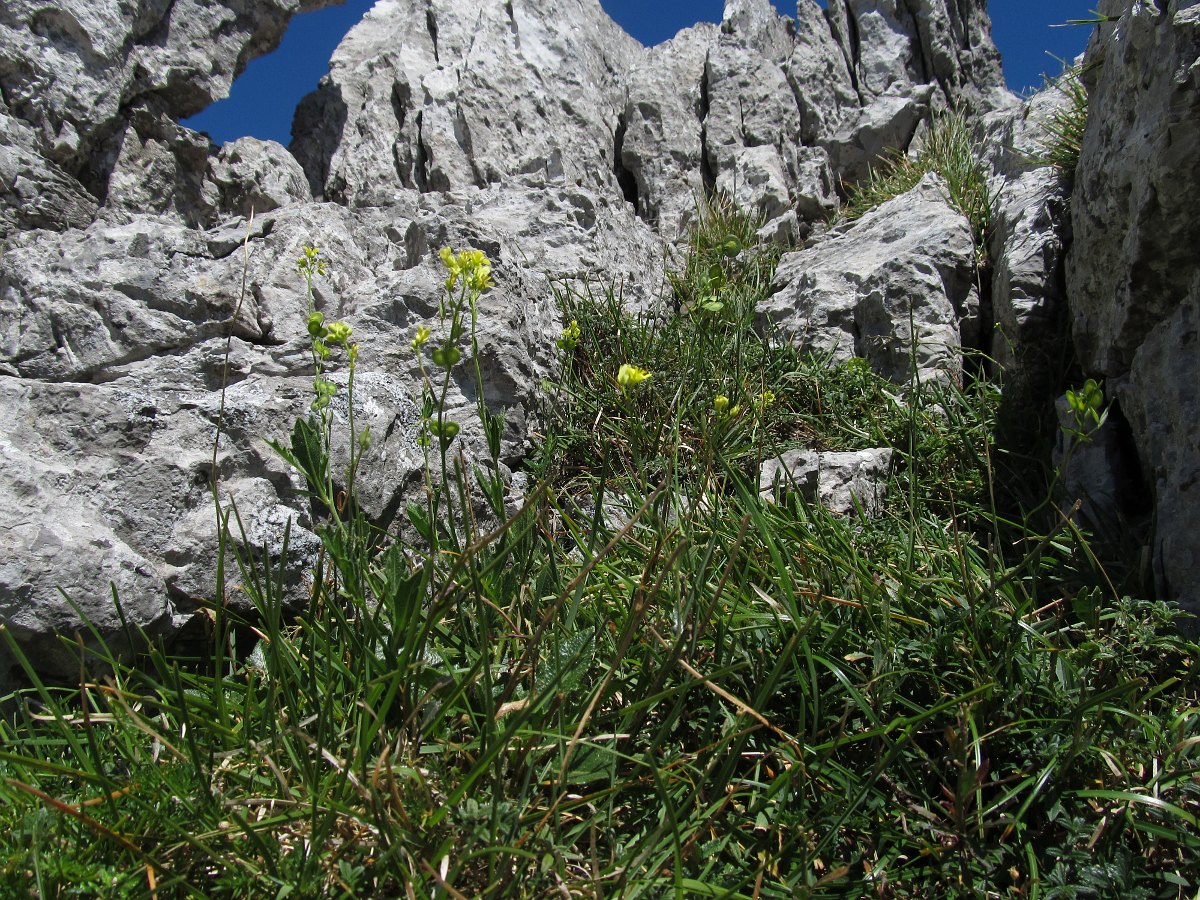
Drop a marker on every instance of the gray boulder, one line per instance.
(862, 290)
(842, 482)
(257, 176)
(879, 129)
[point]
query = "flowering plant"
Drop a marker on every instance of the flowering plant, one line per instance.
(631, 376)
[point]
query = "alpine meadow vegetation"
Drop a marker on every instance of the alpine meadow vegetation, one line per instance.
(641, 677)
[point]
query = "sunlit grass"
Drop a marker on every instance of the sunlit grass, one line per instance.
(650, 681)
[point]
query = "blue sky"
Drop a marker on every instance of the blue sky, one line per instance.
(265, 96)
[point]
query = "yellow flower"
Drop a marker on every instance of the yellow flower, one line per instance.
(338, 333)
(724, 410)
(480, 278)
(570, 336)
(423, 334)
(472, 259)
(631, 376)
(472, 266)
(453, 266)
(311, 264)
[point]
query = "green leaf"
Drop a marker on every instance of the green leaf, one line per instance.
(308, 450)
(420, 521)
(400, 588)
(563, 669)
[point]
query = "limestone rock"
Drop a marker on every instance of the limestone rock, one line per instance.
(73, 66)
(1014, 139)
(258, 176)
(660, 135)
(1030, 236)
(159, 167)
(74, 305)
(851, 293)
(1136, 190)
(820, 81)
(440, 96)
(1161, 399)
(436, 97)
(752, 135)
(93, 86)
(893, 46)
(883, 126)
(1131, 271)
(841, 482)
(35, 192)
(131, 326)
(109, 478)
(755, 23)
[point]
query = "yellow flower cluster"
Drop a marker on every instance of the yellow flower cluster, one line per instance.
(570, 336)
(310, 263)
(423, 333)
(724, 410)
(471, 266)
(631, 376)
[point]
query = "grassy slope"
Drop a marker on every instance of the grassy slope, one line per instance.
(649, 681)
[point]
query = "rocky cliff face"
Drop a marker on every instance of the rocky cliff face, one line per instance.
(1132, 277)
(536, 131)
(423, 96)
(90, 94)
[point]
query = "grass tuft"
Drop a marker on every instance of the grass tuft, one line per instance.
(950, 150)
(1066, 125)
